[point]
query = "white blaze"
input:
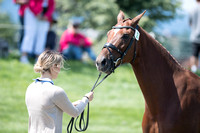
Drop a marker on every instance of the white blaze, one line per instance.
(116, 30)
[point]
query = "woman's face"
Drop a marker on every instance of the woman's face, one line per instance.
(55, 70)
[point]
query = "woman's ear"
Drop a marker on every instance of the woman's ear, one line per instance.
(55, 68)
(51, 69)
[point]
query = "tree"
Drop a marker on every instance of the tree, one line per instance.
(7, 30)
(102, 14)
(98, 14)
(157, 10)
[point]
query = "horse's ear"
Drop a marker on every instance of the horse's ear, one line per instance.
(120, 16)
(137, 18)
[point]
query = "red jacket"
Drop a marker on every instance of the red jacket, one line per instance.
(22, 8)
(77, 39)
(36, 7)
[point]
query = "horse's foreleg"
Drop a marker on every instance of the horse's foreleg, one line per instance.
(149, 124)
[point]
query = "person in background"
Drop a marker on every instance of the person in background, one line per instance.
(37, 18)
(194, 21)
(51, 35)
(23, 5)
(73, 43)
(45, 101)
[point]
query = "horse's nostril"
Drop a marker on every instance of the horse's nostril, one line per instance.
(103, 63)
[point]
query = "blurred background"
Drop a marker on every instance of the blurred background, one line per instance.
(118, 105)
(166, 20)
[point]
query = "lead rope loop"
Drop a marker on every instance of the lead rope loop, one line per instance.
(82, 124)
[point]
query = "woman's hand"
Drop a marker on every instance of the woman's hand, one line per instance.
(90, 96)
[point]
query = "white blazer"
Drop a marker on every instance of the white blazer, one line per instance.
(46, 103)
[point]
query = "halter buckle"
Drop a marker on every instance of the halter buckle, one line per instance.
(116, 62)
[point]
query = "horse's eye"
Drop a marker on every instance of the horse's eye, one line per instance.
(125, 36)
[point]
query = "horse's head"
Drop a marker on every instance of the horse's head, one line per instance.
(120, 44)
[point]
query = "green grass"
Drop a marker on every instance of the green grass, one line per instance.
(118, 103)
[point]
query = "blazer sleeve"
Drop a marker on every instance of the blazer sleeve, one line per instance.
(62, 101)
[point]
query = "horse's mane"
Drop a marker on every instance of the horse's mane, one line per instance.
(163, 50)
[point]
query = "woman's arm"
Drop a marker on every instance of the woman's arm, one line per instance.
(62, 101)
(76, 102)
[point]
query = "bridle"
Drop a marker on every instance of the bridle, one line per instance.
(82, 123)
(114, 64)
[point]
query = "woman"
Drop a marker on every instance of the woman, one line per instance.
(45, 101)
(37, 18)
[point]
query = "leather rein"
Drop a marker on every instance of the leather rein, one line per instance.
(82, 124)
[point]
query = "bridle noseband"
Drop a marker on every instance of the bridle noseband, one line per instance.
(110, 45)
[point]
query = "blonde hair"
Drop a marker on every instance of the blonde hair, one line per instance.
(48, 59)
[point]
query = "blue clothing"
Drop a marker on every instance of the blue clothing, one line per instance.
(90, 53)
(76, 52)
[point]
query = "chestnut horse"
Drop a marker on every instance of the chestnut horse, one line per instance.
(171, 93)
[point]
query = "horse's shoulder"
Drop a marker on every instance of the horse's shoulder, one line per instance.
(189, 78)
(188, 87)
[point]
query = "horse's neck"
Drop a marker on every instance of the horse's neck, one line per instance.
(154, 68)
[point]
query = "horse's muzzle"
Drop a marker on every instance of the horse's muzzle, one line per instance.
(104, 64)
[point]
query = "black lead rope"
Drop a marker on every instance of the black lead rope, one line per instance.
(83, 125)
